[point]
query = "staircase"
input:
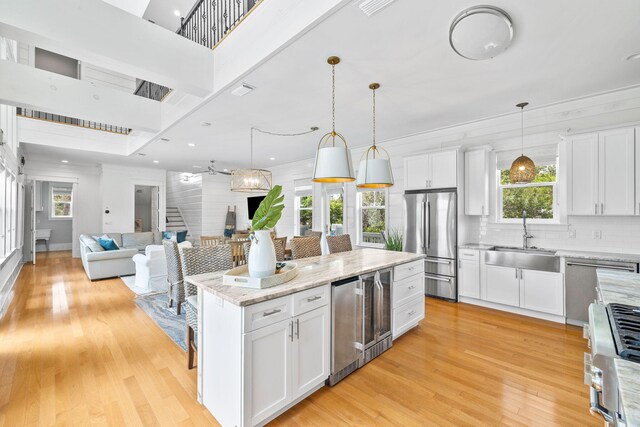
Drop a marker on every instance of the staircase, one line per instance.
(175, 222)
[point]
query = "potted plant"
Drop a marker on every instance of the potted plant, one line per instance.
(262, 256)
(393, 240)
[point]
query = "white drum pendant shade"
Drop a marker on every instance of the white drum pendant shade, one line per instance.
(333, 164)
(374, 173)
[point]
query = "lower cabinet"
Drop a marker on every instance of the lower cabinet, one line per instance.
(542, 291)
(284, 361)
(408, 297)
(503, 285)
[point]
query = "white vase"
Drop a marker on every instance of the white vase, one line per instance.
(262, 256)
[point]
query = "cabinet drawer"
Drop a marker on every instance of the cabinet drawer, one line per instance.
(469, 254)
(311, 299)
(408, 316)
(407, 289)
(403, 271)
(267, 313)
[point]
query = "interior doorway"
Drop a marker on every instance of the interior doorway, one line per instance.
(146, 208)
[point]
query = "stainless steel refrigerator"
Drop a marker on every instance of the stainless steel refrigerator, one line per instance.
(431, 228)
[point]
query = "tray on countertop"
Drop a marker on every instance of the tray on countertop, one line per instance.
(239, 276)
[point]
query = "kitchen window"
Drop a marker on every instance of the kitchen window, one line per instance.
(372, 207)
(61, 203)
(303, 207)
(539, 198)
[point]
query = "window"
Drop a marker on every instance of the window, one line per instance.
(334, 209)
(303, 207)
(61, 202)
(373, 217)
(537, 198)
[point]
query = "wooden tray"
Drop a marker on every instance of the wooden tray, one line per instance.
(239, 276)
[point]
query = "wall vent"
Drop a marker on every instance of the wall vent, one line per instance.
(369, 7)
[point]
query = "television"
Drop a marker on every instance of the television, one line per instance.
(253, 203)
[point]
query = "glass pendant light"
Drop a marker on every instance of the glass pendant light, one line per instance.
(523, 170)
(333, 159)
(251, 180)
(375, 166)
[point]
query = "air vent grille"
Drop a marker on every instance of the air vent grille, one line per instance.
(369, 7)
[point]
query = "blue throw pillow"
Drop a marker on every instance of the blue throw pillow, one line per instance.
(181, 236)
(108, 244)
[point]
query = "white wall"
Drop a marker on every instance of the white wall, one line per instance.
(117, 184)
(216, 198)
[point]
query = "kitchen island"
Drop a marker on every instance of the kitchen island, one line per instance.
(618, 287)
(253, 365)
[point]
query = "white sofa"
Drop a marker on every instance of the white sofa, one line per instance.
(101, 264)
(151, 267)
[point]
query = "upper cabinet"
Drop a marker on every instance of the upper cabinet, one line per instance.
(476, 182)
(602, 173)
(431, 170)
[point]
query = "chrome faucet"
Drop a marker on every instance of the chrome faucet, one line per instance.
(525, 235)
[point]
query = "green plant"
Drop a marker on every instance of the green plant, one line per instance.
(393, 240)
(270, 210)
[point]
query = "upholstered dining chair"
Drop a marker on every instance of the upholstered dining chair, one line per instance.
(305, 247)
(174, 274)
(339, 243)
(212, 240)
(203, 259)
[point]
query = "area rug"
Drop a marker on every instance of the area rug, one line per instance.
(155, 305)
(130, 281)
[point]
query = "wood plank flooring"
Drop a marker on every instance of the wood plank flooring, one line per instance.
(75, 352)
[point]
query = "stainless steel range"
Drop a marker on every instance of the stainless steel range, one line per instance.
(613, 332)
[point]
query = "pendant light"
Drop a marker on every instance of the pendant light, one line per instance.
(251, 180)
(523, 170)
(375, 166)
(333, 159)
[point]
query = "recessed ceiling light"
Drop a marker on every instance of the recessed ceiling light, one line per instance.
(141, 154)
(53, 87)
(634, 56)
(225, 169)
(272, 158)
(191, 144)
(176, 12)
(65, 161)
(96, 96)
(205, 124)
(156, 161)
(165, 139)
(243, 89)
(197, 167)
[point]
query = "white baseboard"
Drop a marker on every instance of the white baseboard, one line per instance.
(41, 247)
(515, 310)
(11, 281)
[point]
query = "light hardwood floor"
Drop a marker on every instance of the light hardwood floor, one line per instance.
(75, 352)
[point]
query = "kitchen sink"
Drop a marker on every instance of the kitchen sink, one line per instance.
(529, 259)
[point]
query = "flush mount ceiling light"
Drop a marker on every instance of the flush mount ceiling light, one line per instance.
(191, 144)
(242, 90)
(481, 32)
(176, 12)
(333, 159)
(523, 170)
(375, 166)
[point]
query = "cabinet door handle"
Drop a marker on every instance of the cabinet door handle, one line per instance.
(601, 208)
(411, 287)
(312, 299)
(272, 312)
(516, 273)
(596, 209)
(482, 210)
(411, 313)
(298, 328)
(291, 330)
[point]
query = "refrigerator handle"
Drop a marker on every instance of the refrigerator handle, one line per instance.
(423, 227)
(428, 225)
(379, 300)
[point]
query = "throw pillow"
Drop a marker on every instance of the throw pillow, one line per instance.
(181, 236)
(108, 244)
(105, 237)
(169, 235)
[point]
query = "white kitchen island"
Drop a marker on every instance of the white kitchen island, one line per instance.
(263, 351)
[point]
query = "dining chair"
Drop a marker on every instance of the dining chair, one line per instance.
(211, 240)
(311, 233)
(175, 289)
(305, 247)
(280, 245)
(199, 260)
(240, 236)
(237, 251)
(339, 243)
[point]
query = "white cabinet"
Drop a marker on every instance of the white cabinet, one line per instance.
(503, 285)
(284, 361)
(407, 297)
(602, 173)
(431, 170)
(476, 183)
(267, 370)
(469, 273)
(542, 291)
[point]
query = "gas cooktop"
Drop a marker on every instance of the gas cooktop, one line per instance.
(625, 323)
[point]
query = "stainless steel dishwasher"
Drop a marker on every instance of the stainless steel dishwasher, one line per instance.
(346, 330)
(580, 285)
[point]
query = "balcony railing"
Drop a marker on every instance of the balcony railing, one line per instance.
(57, 118)
(208, 22)
(376, 238)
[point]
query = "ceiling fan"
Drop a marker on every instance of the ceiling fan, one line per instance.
(211, 170)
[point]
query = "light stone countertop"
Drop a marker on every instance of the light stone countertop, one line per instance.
(312, 272)
(602, 256)
(624, 288)
(476, 246)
